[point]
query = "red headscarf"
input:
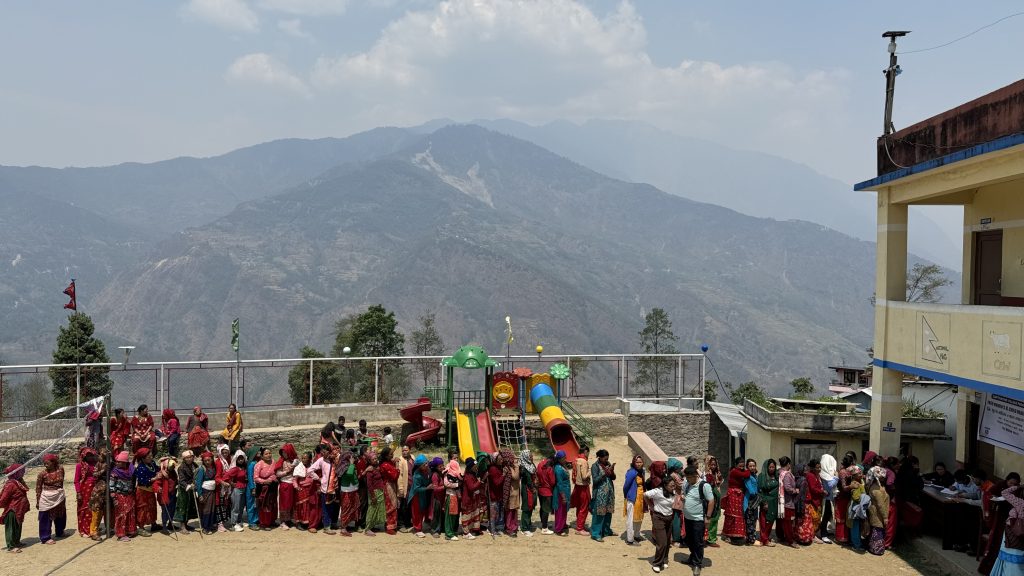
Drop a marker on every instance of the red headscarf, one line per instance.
(51, 458)
(141, 453)
(658, 469)
(287, 453)
(869, 459)
(168, 414)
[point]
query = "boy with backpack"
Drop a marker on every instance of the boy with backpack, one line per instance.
(698, 504)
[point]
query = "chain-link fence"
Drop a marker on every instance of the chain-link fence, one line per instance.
(31, 391)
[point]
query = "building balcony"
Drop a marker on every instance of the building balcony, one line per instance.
(975, 346)
(832, 418)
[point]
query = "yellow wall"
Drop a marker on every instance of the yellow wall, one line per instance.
(1002, 203)
(763, 444)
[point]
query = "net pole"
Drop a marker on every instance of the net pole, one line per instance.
(110, 465)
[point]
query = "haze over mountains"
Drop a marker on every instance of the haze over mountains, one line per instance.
(468, 223)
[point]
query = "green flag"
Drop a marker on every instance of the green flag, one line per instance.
(234, 334)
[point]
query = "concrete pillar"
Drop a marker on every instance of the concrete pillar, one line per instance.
(890, 286)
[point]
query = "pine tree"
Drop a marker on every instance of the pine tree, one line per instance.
(657, 337)
(427, 342)
(77, 345)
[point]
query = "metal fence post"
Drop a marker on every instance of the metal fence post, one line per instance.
(311, 383)
(679, 380)
(376, 379)
(164, 401)
(78, 390)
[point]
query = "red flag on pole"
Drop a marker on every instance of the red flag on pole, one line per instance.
(70, 291)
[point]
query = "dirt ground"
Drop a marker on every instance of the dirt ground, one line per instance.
(293, 552)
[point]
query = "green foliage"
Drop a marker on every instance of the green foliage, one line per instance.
(924, 283)
(710, 390)
(749, 391)
(913, 409)
(802, 388)
(427, 342)
(655, 374)
(373, 333)
(327, 382)
(577, 369)
(76, 345)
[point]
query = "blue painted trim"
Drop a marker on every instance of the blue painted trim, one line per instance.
(992, 146)
(951, 379)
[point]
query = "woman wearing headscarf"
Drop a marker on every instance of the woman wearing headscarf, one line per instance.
(996, 522)
(84, 482)
(222, 509)
(472, 500)
(859, 502)
(659, 494)
(561, 493)
(602, 503)
(307, 501)
(437, 514)
(170, 429)
(347, 475)
(142, 429)
(815, 495)
(790, 495)
(120, 430)
(206, 492)
(236, 478)
(14, 502)
(419, 493)
(495, 503)
(145, 499)
(122, 488)
(266, 490)
(97, 498)
(713, 476)
(829, 483)
(376, 513)
(735, 526)
(94, 430)
(197, 428)
(283, 468)
(878, 512)
(580, 499)
(510, 493)
(452, 487)
(768, 492)
(674, 469)
(185, 508)
(389, 474)
(891, 464)
(165, 488)
(232, 427)
(633, 500)
(527, 491)
(50, 500)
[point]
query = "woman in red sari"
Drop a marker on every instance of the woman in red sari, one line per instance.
(389, 474)
(735, 523)
(842, 506)
(142, 429)
(145, 498)
(120, 430)
(85, 479)
(122, 489)
(307, 502)
(283, 469)
(808, 528)
(197, 427)
(266, 490)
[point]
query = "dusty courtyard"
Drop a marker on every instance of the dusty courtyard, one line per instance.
(292, 552)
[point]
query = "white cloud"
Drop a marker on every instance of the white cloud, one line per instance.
(293, 28)
(305, 7)
(262, 68)
(229, 14)
(539, 61)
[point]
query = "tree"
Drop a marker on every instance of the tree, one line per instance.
(577, 368)
(374, 333)
(710, 390)
(802, 388)
(76, 345)
(29, 399)
(748, 391)
(924, 283)
(327, 384)
(657, 337)
(427, 342)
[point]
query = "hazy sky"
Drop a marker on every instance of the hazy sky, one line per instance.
(91, 83)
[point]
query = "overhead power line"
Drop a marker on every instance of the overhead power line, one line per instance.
(968, 35)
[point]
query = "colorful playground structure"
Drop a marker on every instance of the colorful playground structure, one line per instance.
(495, 417)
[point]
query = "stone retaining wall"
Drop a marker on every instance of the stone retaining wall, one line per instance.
(679, 434)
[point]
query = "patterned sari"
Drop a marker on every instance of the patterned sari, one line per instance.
(808, 525)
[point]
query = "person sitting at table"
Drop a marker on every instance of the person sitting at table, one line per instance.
(965, 512)
(940, 476)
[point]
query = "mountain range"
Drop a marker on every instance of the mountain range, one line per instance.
(469, 223)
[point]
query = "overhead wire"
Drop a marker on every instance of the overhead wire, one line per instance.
(965, 36)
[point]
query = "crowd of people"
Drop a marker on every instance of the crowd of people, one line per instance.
(353, 482)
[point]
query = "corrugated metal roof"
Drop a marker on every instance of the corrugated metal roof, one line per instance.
(731, 416)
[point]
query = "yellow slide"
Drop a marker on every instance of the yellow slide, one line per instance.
(465, 435)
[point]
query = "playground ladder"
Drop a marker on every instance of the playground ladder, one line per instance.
(584, 429)
(511, 433)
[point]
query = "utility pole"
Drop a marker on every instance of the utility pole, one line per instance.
(890, 77)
